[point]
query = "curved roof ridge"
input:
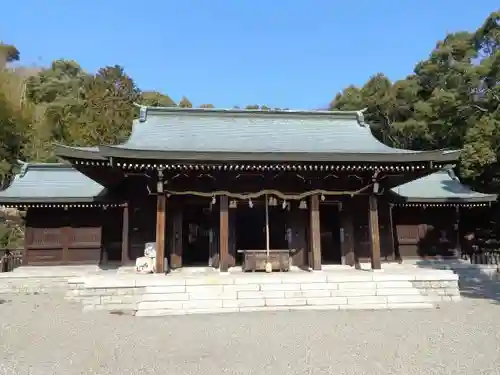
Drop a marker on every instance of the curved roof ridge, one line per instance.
(25, 166)
(51, 182)
(233, 111)
(172, 133)
(441, 186)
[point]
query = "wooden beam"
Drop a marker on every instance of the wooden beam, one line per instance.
(161, 205)
(347, 226)
(125, 235)
(224, 234)
(374, 233)
(314, 233)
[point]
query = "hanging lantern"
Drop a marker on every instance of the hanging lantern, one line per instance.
(303, 205)
(250, 203)
(273, 201)
(233, 204)
(214, 201)
(284, 205)
(322, 197)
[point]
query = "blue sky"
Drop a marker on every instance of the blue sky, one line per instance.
(295, 54)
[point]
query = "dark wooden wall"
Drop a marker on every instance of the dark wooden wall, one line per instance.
(419, 231)
(78, 235)
(57, 236)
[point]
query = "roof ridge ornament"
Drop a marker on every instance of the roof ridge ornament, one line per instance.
(24, 168)
(361, 117)
(452, 174)
(143, 113)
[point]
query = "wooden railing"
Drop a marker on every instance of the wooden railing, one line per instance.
(10, 259)
(483, 252)
(483, 256)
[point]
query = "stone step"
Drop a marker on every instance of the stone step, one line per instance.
(244, 295)
(190, 304)
(209, 297)
(224, 310)
(208, 294)
(153, 295)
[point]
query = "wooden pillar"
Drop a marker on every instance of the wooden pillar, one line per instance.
(347, 235)
(161, 205)
(176, 240)
(314, 233)
(458, 245)
(232, 237)
(394, 239)
(297, 223)
(28, 240)
(125, 235)
(374, 233)
(66, 241)
(224, 234)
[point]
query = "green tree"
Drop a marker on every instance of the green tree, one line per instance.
(8, 54)
(58, 93)
(15, 115)
(12, 127)
(156, 99)
(185, 103)
(451, 100)
(108, 108)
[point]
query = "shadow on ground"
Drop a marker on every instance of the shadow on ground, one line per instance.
(474, 281)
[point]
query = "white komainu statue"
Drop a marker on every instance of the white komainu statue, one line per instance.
(146, 264)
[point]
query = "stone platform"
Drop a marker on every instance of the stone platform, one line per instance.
(42, 279)
(395, 287)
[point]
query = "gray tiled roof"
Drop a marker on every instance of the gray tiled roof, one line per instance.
(51, 182)
(214, 134)
(441, 186)
(255, 132)
(62, 183)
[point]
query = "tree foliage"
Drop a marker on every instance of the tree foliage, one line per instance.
(185, 103)
(156, 99)
(450, 101)
(8, 54)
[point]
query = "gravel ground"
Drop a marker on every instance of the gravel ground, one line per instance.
(43, 334)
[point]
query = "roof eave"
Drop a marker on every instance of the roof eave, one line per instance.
(486, 198)
(69, 200)
(76, 153)
(396, 157)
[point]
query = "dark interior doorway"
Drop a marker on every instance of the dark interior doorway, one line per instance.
(278, 228)
(251, 228)
(196, 226)
(330, 234)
